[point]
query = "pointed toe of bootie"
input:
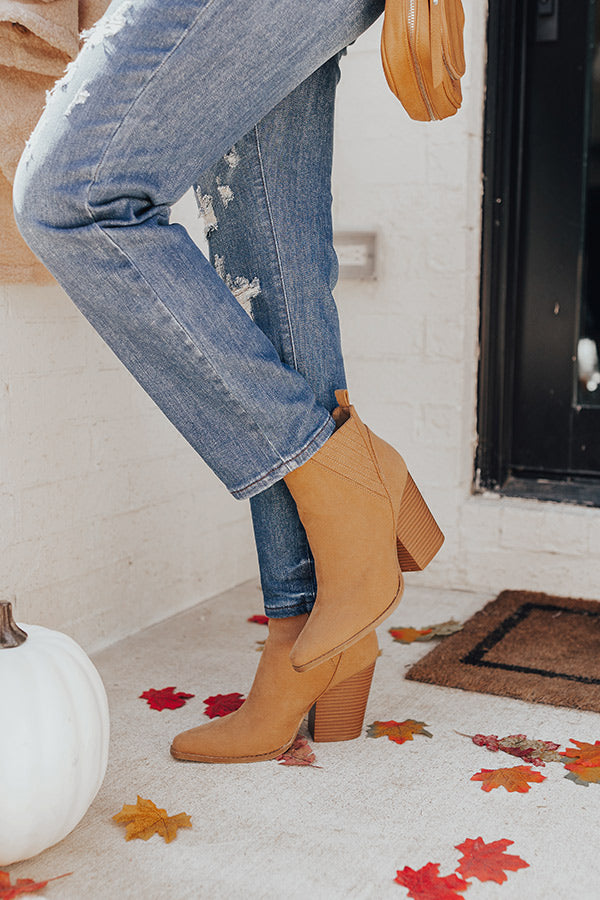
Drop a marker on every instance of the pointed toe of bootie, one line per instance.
(221, 742)
(366, 521)
(267, 723)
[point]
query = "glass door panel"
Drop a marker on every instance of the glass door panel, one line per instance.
(588, 348)
(539, 410)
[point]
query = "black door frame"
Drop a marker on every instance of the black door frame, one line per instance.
(509, 24)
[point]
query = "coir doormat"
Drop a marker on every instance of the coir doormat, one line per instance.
(531, 646)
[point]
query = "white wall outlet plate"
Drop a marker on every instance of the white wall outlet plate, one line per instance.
(356, 253)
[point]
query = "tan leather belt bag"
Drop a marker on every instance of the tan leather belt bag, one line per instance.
(423, 56)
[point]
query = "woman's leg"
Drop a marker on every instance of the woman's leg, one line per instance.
(159, 93)
(267, 209)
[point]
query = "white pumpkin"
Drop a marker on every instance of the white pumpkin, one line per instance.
(54, 731)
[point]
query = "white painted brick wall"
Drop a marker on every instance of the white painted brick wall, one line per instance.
(411, 337)
(109, 521)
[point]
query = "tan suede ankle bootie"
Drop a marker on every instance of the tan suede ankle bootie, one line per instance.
(267, 723)
(365, 521)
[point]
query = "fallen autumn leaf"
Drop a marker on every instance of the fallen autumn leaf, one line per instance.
(299, 754)
(487, 862)
(165, 698)
(399, 732)
(513, 778)
(22, 885)
(222, 704)
(146, 819)
(426, 883)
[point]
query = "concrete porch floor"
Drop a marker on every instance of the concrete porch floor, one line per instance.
(264, 831)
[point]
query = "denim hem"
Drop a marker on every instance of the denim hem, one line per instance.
(288, 465)
(285, 612)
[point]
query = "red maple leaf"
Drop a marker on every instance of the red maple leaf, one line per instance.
(532, 751)
(487, 862)
(513, 778)
(222, 704)
(165, 698)
(491, 741)
(260, 620)
(22, 885)
(426, 883)
(299, 754)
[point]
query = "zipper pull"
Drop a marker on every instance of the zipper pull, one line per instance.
(435, 41)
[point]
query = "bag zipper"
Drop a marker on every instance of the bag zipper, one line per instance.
(412, 29)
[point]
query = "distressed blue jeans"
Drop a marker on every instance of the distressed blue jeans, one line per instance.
(243, 356)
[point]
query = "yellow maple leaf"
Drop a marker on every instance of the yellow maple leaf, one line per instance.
(146, 819)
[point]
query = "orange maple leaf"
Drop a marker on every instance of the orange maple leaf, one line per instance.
(583, 755)
(584, 774)
(145, 819)
(487, 862)
(427, 884)
(513, 778)
(399, 732)
(22, 885)
(408, 635)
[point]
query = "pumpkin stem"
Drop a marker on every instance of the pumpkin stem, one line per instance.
(10, 633)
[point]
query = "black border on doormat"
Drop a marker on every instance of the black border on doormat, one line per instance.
(476, 656)
(460, 660)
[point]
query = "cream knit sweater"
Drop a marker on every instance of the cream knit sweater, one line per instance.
(38, 38)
